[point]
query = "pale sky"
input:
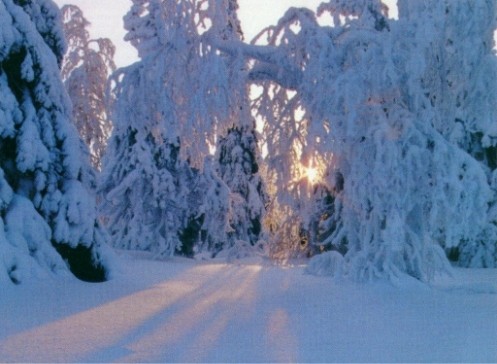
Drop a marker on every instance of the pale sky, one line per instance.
(106, 18)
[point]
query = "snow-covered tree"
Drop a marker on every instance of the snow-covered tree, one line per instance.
(172, 30)
(239, 169)
(445, 198)
(237, 153)
(146, 183)
(455, 41)
(406, 187)
(85, 71)
(170, 108)
(142, 198)
(289, 156)
(140, 193)
(46, 214)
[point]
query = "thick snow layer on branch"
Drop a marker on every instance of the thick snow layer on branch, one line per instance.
(44, 201)
(372, 101)
(160, 186)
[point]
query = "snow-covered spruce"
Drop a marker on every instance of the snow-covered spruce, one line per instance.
(237, 152)
(86, 67)
(146, 185)
(47, 216)
(160, 189)
(239, 168)
(143, 195)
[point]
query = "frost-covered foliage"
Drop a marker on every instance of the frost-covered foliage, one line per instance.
(146, 25)
(46, 214)
(213, 212)
(85, 70)
(323, 218)
(370, 13)
(354, 94)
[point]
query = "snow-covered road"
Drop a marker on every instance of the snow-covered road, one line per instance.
(196, 312)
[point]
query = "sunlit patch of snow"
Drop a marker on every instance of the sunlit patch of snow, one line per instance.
(181, 310)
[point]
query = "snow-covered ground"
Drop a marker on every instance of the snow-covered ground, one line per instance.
(186, 311)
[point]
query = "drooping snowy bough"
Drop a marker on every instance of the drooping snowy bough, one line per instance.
(47, 216)
(366, 98)
(455, 89)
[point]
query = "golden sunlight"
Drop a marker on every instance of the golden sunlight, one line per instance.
(313, 171)
(312, 174)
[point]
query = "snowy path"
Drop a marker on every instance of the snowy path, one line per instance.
(186, 311)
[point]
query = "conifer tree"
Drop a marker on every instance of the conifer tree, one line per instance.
(145, 184)
(183, 95)
(46, 213)
(143, 195)
(237, 152)
(239, 169)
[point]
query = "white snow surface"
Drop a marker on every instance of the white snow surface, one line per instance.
(206, 311)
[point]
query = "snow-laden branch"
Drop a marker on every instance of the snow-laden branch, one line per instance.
(273, 63)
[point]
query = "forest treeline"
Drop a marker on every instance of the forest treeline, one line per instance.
(365, 142)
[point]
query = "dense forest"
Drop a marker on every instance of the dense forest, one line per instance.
(364, 143)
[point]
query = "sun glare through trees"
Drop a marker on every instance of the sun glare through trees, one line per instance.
(350, 130)
(312, 174)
